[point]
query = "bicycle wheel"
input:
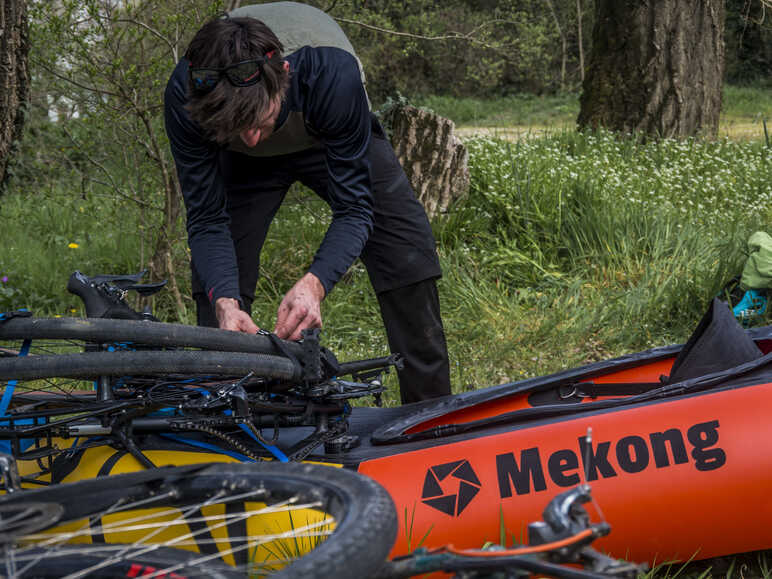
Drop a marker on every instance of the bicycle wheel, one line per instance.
(106, 331)
(294, 520)
(54, 396)
(146, 363)
(71, 560)
(61, 356)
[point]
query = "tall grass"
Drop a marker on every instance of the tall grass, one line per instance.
(748, 102)
(573, 247)
(45, 236)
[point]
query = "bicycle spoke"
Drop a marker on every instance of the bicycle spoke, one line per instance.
(156, 522)
(52, 541)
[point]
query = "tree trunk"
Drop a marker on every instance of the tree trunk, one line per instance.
(434, 159)
(14, 77)
(655, 67)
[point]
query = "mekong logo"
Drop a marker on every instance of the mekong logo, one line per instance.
(450, 487)
(530, 471)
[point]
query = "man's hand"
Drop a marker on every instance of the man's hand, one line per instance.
(300, 308)
(231, 317)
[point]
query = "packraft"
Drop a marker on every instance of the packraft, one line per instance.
(675, 442)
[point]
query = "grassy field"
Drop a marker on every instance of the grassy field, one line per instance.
(743, 111)
(569, 247)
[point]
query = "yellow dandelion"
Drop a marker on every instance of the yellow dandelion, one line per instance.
(73, 245)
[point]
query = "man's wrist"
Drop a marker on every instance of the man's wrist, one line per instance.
(226, 303)
(315, 285)
(223, 306)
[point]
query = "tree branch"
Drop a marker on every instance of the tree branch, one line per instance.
(468, 37)
(71, 80)
(764, 5)
(113, 185)
(154, 32)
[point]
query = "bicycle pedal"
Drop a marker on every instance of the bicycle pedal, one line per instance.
(341, 444)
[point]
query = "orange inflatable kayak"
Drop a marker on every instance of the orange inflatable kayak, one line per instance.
(679, 458)
(679, 454)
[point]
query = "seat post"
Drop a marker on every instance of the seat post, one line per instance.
(104, 389)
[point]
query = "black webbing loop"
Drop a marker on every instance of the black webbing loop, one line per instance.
(592, 390)
(278, 343)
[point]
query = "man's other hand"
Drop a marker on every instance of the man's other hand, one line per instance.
(231, 317)
(301, 308)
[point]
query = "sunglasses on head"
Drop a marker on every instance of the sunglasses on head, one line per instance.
(244, 73)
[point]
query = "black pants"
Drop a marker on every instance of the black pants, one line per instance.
(400, 255)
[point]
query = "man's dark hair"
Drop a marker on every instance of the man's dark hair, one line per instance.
(227, 110)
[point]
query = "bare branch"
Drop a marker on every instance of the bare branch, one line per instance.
(563, 45)
(764, 5)
(112, 183)
(72, 81)
(154, 32)
(468, 37)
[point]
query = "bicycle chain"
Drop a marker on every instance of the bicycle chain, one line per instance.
(242, 448)
(332, 434)
(256, 432)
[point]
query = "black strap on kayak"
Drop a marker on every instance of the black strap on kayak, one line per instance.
(593, 390)
(577, 391)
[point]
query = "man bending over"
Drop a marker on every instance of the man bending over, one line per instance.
(269, 95)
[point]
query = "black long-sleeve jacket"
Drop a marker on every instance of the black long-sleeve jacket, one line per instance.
(327, 93)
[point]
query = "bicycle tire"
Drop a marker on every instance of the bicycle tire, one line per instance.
(146, 362)
(69, 560)
(365, 520)
(143, 332)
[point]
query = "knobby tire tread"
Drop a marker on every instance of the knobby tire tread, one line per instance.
(147, 362)
(140, 331)
(71, 559)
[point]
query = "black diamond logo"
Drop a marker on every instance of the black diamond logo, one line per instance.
(458, 496)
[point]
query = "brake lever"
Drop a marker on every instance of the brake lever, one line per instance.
(565, 516)
(235, 394)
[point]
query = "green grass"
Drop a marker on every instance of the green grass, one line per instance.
(46, 236)
(743, 111)
(747, 102)
(756, 565)
(516, 110)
